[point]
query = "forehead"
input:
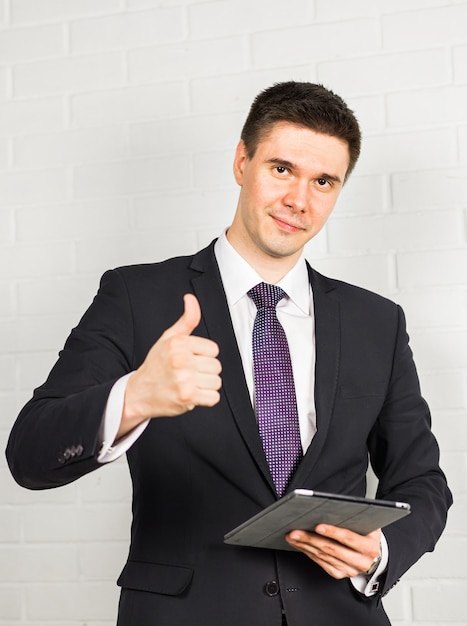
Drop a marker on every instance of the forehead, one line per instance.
(301, 145)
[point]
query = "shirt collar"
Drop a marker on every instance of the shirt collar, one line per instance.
(239, 277)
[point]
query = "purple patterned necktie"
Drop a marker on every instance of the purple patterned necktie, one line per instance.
(275, 400)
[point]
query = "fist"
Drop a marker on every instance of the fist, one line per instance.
(180, 371)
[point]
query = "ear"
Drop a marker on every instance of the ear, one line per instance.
(240, 159)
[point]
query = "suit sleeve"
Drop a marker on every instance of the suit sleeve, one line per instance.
(405, 457)
(55, 438)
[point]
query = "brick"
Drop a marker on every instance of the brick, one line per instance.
(99, 255)
(431, 27)
(25, 116)
(25, 44)
(144, 4)
(74, 523)
(4, 82)
(135, 176)
(69, 147)
(214, 207)
(328, 9)
(427, 269)
(53, 329)
(10, 603)
(188, 60)
(29, 187)
(46, 296)
(408, 151)
(213, 169)
(397, 603)
(6, 228)
(444, 602)
(407, 231)
(71, 74)
(45, 563)
(188, 134)
(102, 561)
(72, 221)
(9, 331)
(7, 372)
(28, 260)
(83, 601)
(431, 308)
(229, 17)
(361, 195)
(128, 29)
(370, 112)
(457, 517)
(4, 153)
(389, 72)
(7, 299)
(429, 189)
(369, 271)
(460, 63)
(440, 349)
(315, 42)
(427, 106)
(128, 105)
(463, 142)
(12, 402)
(455, 468)
(450, 425)
(10, 530)
(40, 10)
(235, 92)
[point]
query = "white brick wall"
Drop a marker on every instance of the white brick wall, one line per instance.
(118, 120)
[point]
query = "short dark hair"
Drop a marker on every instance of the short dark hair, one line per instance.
(304, 104)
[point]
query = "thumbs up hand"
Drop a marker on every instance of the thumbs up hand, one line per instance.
(180, 371)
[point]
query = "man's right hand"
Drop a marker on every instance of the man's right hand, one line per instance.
(180, 371)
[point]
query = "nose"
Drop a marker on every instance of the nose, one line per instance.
(297, 196)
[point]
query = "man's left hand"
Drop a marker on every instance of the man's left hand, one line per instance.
(340, 552)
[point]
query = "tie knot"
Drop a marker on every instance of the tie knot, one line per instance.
(265, 295)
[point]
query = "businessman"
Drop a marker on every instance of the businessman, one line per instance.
(236, 375)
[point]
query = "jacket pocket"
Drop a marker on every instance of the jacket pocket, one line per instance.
(161, 578)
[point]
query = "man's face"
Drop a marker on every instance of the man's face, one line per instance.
(289, 189)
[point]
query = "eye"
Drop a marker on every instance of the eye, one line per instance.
(280, 169)
(322, 182)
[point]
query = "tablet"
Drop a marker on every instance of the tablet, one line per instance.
(304, 509)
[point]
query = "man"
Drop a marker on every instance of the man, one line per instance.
(180, 390)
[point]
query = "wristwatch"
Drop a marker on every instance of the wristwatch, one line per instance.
(374, 566)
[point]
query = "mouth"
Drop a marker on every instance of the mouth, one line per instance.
(286, 225)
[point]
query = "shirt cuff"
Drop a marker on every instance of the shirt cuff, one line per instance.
(111, 450)
(369, 585)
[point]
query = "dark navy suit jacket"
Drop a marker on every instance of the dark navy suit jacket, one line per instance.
(198, 475)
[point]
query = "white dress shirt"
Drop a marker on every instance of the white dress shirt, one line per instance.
(296, 315)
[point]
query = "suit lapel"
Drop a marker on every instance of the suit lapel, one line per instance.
(327, 337)
(209, 290)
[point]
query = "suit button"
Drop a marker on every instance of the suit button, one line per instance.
(271, 588)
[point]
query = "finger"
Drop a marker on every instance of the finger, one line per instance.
(206, 397)
(348, 538)
(204, 349)
(190, 319)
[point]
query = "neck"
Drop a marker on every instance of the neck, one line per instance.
(271, 269)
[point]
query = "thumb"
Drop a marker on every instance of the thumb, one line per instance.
(190, 319)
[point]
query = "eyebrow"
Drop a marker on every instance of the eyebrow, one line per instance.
(292, 166)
